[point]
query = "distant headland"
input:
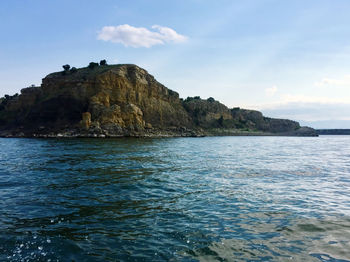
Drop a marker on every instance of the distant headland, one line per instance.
(333, 131)
(103, 100)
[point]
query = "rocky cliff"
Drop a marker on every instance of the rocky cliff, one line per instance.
(124, 100)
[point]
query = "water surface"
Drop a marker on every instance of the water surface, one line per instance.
(176, 199)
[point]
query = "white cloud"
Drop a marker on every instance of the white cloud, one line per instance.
(140, 36)
(344, 81)
(271, 91)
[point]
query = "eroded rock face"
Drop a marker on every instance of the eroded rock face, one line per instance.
(128, 97)
(86, 120)
(207, 113)
(121, 100)
(212, 114)
(115, 98)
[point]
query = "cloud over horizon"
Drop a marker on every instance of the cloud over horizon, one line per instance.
(140, 36)
(344, 81)
(318, 112)
(318, 115)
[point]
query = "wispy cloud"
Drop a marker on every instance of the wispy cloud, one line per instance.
(288, 98)
(140, 36)
(271, 91)
(344, 81)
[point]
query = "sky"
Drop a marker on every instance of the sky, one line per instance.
(288, 59)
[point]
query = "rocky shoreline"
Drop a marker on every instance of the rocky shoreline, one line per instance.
(175, 132)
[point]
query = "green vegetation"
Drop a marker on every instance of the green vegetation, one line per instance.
(92, 65)
(103, 62)
(189, 98)
(66, 67)
(211, 100)
(6, 99)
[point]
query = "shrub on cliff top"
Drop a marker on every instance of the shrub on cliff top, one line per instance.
(211, 100)
(66, 67)
(73, 69)
(103, 62)
(92, 65)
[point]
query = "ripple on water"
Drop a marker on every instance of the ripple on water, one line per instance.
(187, 199)
(304, 240)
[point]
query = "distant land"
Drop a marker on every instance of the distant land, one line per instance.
(333, 131)
(122, 100)
(327, 124)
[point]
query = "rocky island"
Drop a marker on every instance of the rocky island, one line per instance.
(125, 100)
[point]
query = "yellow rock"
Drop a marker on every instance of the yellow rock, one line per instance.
(86, 120)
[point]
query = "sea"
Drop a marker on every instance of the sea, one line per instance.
(175, 199)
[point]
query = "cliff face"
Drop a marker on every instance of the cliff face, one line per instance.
(120, 100)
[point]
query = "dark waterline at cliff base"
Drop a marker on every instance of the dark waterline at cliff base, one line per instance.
(175, 199)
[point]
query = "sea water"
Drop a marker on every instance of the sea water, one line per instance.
(175, 199)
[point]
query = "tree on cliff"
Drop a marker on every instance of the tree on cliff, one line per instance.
(66, 67)
(92, 65)
(211, 100)
(103, 62)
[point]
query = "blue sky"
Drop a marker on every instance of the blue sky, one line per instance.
(289, 59)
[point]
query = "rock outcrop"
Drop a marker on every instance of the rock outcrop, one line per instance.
(124, 100)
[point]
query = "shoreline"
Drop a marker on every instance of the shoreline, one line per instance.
(152, 134)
